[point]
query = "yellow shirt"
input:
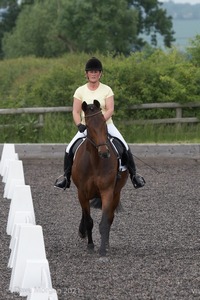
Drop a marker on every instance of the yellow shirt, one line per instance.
(83, 93)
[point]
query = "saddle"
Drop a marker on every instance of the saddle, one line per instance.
(120, 150)
(116, 144)
(75, 146)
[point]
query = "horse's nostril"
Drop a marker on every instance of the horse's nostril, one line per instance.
(108, 154)
(105, 154)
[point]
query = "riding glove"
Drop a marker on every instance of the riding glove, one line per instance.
(81, 127)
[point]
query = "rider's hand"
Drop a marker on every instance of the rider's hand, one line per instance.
(81, 127)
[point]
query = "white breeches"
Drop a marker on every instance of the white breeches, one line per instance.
(112, 130)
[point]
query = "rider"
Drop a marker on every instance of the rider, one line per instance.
(94, 89)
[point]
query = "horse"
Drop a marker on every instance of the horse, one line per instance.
(96, 174)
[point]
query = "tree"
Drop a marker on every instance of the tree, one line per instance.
(72, 26)
(101, 25)
(33, 33)
(153, 21)
(10, 10)
(8, 18)
(52, 27)
(194, 50)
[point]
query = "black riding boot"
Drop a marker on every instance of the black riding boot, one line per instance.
(65, 183)
(137, 180)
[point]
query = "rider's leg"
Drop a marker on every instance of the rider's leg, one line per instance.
(137, 180)
(68, 162)
(65, 183)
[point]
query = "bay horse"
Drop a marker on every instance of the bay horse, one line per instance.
(95, 173)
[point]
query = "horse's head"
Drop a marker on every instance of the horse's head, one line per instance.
(96, 127)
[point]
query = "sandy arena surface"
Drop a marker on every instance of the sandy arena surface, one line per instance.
(154, 242)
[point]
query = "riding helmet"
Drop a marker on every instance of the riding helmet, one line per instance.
(93, 64)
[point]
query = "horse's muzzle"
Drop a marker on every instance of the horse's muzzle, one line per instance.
(104, 153)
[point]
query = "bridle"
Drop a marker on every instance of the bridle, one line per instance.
(97, 146)
(94, 114)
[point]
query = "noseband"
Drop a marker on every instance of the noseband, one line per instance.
(94, 114)
(91, 141)
(97, 145)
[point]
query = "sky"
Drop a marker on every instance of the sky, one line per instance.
(183, 1)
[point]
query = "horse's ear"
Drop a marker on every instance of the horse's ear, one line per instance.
(96, 103)
(84, 106)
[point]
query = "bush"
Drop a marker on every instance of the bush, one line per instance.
(144, 77)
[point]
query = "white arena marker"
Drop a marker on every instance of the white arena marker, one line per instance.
(14, 243)
(6, 167)
(15, 176)
(13, 253)
(22, 217)
(30, 245)
(15, 234)
(37, 275)
(21, 201)
(42, 295)
(14, 183)
(8, 152)
(15, 170)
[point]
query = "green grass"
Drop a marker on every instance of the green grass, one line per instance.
(59, 128)
(161, 133)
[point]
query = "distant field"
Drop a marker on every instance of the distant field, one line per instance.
(184, 31)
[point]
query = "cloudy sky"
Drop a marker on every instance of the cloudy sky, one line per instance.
(183, 1)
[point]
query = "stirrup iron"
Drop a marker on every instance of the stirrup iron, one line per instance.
(138, 181)
(63, 184)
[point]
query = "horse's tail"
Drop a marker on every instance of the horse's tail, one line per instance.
(97, 203)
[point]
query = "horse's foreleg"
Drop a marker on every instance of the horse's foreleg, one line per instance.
(89, 226)
(82, 227)
(85, 228)
(86, 224)
(109, 204)
(104, 229)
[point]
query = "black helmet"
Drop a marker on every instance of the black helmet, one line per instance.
(93, 64)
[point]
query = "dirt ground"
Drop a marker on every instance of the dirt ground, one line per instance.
(154, 242)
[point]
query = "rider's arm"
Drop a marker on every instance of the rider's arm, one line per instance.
(109, 107)
(77, 111)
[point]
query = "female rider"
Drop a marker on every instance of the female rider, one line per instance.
(94, 89)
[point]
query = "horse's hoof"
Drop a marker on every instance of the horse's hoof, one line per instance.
(102, 252)
(82, 235)
(90, 247)
(103, 259)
